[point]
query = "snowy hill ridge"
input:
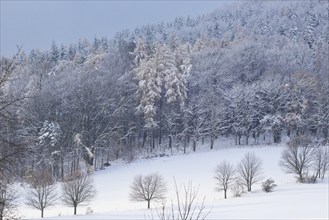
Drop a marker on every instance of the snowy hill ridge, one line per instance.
(289, 199)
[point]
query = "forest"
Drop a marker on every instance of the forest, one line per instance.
(256, 72)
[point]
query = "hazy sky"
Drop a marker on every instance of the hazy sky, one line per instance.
(35, 24)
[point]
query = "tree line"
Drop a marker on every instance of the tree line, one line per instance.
(255, 73)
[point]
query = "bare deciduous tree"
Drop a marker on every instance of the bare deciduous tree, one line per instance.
(225, 176)
(298, 157)
(79, 190)
(41, 193)
(188, 206)
(321, 162)
(148, 188)
(8, 200)
(250, 169)
(12, 148)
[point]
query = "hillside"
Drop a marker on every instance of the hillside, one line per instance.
(256, 73)
(289, 199)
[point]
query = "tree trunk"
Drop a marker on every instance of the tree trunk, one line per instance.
(93, 160)
(160, 121)
(276, 136)
(148, 204)
(185, 144)
(225, 194)
(212, 140)
(144, 138)
(194, 145)
(108, 156)
(77, 165)
(149, 140)
(72, 166)
(62, 166)
(41, 213)
(102, 160)
(170, 142)
(153, 141)
(249, 186)
(75, 209)
(325, 135)
(301, 178)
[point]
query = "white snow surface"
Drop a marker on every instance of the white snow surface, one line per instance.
(289, 200)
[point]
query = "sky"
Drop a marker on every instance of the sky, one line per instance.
(35, 24)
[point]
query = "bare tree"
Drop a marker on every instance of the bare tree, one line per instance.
(79, 190)
(188, 206)
(8, 200)
(225, 176)
(321, 162)
(298, 157)
(250, 169)
(148, 188)
(41, 193)
(12, 148)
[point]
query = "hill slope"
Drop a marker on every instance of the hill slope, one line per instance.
(289, 199)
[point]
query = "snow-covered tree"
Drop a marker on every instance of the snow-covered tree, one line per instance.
(47, 151)
(178, 66)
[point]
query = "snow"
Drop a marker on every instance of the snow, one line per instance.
(288, 200)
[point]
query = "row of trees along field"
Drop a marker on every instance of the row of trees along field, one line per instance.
(256, 72)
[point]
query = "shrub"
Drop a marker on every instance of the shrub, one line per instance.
(237, 189)
(310, 179)
(89, 211)
(268, 185)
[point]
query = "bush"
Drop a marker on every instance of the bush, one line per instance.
(310, 179)
(89, 211)
(237, 189)
(268, 185)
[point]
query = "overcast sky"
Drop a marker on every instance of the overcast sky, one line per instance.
(35, 24)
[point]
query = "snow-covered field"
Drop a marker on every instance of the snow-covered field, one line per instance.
(289, 199)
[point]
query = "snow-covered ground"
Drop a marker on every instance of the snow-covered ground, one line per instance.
(289, 199)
